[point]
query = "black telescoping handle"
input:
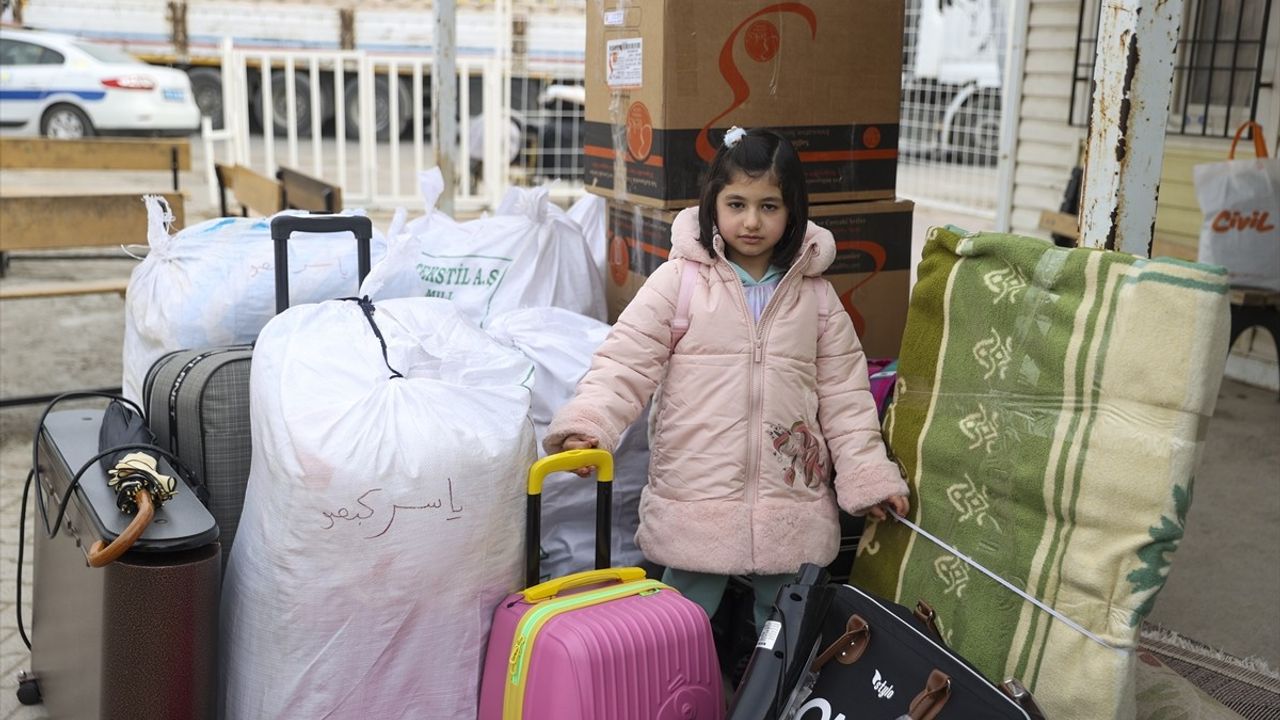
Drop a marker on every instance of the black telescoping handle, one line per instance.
(283, 226)
(604, 507)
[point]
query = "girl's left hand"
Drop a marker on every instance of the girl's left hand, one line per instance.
(897, 503)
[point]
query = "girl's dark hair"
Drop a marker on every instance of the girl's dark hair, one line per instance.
(758, 153)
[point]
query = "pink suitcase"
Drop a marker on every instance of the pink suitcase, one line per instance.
(605, 644)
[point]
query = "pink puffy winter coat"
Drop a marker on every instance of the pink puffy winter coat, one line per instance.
(750, 418)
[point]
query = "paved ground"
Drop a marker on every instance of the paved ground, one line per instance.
(1221, 590)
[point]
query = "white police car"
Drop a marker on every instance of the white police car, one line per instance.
(61, 86)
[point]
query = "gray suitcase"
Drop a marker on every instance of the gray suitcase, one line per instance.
(197, 404)
(197, 401)
(138, 637)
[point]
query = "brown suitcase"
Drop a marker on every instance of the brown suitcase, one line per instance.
(137, 638)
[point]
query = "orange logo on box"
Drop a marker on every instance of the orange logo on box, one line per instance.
(871, 138)
(878, 258)
(762, 41)
(1229, 220)
(619, 260)
(639, 132)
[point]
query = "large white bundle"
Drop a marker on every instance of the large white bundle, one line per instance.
(589, 213)
(529, 253)
(384, 516)
(214, 284)
(560, 344)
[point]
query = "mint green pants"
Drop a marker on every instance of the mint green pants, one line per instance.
(707, 589)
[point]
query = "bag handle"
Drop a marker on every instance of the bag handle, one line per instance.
(930, 701)
(568, 460)
(282, 226)
(848, 647)
(101, 554)
(552, 588)
(1259, 140)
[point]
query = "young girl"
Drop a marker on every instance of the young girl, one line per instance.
(762, 399)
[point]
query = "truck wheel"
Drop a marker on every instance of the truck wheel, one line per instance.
(206, 87)
(381, 108)
(65, 121)
(302, 103)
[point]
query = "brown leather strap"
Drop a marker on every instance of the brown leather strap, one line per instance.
(934, 697)
(924, 613)
(101, 554)
(849, 646)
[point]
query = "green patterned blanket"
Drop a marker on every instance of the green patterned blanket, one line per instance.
(1050, 414)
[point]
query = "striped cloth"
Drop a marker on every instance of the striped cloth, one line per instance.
(1050, 412)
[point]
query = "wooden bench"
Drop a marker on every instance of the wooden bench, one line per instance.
(40, 219)
(65, 288)
(253, 191)
(290, 189)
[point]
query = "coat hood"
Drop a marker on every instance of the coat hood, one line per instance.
(817, 252)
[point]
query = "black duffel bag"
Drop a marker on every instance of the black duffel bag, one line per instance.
(835, 652)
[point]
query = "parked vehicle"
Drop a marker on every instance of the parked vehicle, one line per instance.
(951, 81)
(60, 86)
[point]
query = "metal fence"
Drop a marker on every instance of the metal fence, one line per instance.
(522, 125)
(951, 100)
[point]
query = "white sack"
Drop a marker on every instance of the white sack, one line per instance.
(1240, 200)
(384, 516)
(214, 284)
(589, 213)
(560, 344)
(529, 253)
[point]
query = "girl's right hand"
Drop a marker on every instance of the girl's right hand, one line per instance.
(581, 442)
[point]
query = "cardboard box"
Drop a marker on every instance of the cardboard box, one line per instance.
(871, 272)
(666, 78)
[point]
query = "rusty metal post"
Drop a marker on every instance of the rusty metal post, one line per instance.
(177, 12)
(347, 28)
(1133, 83)
(444, 90)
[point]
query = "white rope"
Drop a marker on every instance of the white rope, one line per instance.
(1057, 615)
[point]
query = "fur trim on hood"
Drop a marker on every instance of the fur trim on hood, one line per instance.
(684, 244)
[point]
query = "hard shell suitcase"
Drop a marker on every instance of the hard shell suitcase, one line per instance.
(197, 401)
(136, 638)
(605, 643)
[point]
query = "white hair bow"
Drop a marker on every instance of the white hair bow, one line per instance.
(733, 135)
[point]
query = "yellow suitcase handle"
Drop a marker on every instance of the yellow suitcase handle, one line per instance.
(568, 460)
(552, 588)
(571, 460)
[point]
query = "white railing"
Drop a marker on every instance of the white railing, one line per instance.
(362, 122)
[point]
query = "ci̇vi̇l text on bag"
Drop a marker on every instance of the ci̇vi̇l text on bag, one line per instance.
(1240, 200)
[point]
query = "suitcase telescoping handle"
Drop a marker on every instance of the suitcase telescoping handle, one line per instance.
(283, 226)
(569, 460)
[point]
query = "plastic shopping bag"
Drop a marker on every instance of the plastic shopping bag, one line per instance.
(1240, 200)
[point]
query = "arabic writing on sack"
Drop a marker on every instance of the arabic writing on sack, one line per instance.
(369, 507)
